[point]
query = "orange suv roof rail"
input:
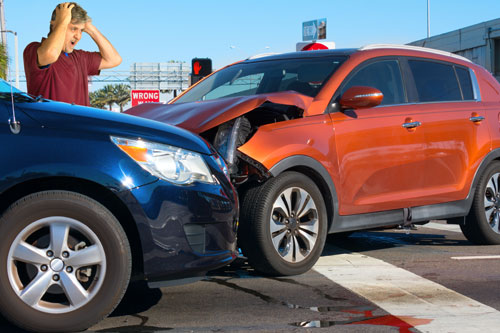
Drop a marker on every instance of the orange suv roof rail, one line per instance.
(414, 48)
(261, 55)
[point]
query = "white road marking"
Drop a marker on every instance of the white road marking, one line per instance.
(476, 257)
(404, 294)
(439, 226)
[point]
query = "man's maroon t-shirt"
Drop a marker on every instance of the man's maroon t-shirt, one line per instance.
(65, 80)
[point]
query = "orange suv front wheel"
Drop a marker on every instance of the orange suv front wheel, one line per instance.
(283, 225)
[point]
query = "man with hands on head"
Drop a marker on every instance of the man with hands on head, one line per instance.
(55, 69)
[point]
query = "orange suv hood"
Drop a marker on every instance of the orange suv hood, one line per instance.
(201, 116)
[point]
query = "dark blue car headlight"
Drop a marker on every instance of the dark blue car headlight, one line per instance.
(173, 164)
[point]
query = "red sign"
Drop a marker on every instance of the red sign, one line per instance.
(314, 46)
(144, 96)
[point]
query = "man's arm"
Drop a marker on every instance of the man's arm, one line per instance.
(110, 57)
(51, 48)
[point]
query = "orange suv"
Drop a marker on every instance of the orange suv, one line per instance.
(334, 141)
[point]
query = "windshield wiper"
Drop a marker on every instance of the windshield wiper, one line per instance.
(19, 97)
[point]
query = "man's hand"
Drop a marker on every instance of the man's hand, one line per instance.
(89, 28)
(110, 57)
(51, 48)
(63, 14)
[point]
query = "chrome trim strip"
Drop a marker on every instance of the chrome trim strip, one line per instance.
(423, 103)
(475, 85)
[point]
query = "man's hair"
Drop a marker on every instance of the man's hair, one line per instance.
(78, 15)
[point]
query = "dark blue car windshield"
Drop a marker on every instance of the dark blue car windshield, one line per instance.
(303, 75)
(9, 93)
(6, 87)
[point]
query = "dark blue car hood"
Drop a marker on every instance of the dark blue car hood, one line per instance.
(63, 116)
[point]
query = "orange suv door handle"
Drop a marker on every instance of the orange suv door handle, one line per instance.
(476, 119)
(412, 124)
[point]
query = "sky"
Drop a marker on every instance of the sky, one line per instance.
(228, 31)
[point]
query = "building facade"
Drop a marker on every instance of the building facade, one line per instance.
(164, 76)
(479, 43)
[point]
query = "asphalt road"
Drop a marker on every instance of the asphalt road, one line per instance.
(379, 281)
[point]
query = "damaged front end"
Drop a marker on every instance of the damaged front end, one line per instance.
(230, 123)
(229, 136)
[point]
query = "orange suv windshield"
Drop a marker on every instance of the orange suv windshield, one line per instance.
(305, 76)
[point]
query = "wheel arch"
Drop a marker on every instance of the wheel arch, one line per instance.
(318, 174)
(493, 155)
(88, 188)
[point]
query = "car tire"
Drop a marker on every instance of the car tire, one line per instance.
(482, 225)
(283, 225)
(65, 262)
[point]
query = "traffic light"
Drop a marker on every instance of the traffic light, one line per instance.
(200, 67)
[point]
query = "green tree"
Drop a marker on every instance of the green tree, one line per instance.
(108, 95)
(122, 95)
(97, 99)
(4, 60)
(108, 92)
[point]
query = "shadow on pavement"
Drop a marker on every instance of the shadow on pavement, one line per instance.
(378, 240)
(138, 298)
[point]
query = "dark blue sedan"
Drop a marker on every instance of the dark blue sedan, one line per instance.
(90, 199)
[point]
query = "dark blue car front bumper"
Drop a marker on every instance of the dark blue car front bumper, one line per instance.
(185, 231)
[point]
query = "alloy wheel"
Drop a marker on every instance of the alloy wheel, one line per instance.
(56, 264)
(294, 224)
(492, 202)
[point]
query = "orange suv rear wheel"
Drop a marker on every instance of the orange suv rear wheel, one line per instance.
(482, 225)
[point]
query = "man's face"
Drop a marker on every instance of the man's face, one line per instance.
(73, 36)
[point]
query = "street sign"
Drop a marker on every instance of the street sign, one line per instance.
(144, 96)
(201, 66)
(314, 30)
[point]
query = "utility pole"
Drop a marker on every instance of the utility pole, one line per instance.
(3, 35)
(2, 25)
(428, 18)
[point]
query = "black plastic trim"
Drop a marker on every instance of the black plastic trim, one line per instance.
(370, 220)
(441, 211)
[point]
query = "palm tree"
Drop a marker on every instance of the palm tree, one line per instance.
(97, 99)
(122, 95)
(110, 94)
(3, 62)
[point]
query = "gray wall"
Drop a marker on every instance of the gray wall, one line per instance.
(480, 43)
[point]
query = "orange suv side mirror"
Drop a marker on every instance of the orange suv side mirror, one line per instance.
(359, 97)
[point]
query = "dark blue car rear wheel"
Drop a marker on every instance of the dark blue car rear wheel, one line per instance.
(64, 259)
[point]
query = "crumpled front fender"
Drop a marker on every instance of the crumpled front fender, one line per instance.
(199, 117)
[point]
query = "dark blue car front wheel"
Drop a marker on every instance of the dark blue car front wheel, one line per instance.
(65, 262)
